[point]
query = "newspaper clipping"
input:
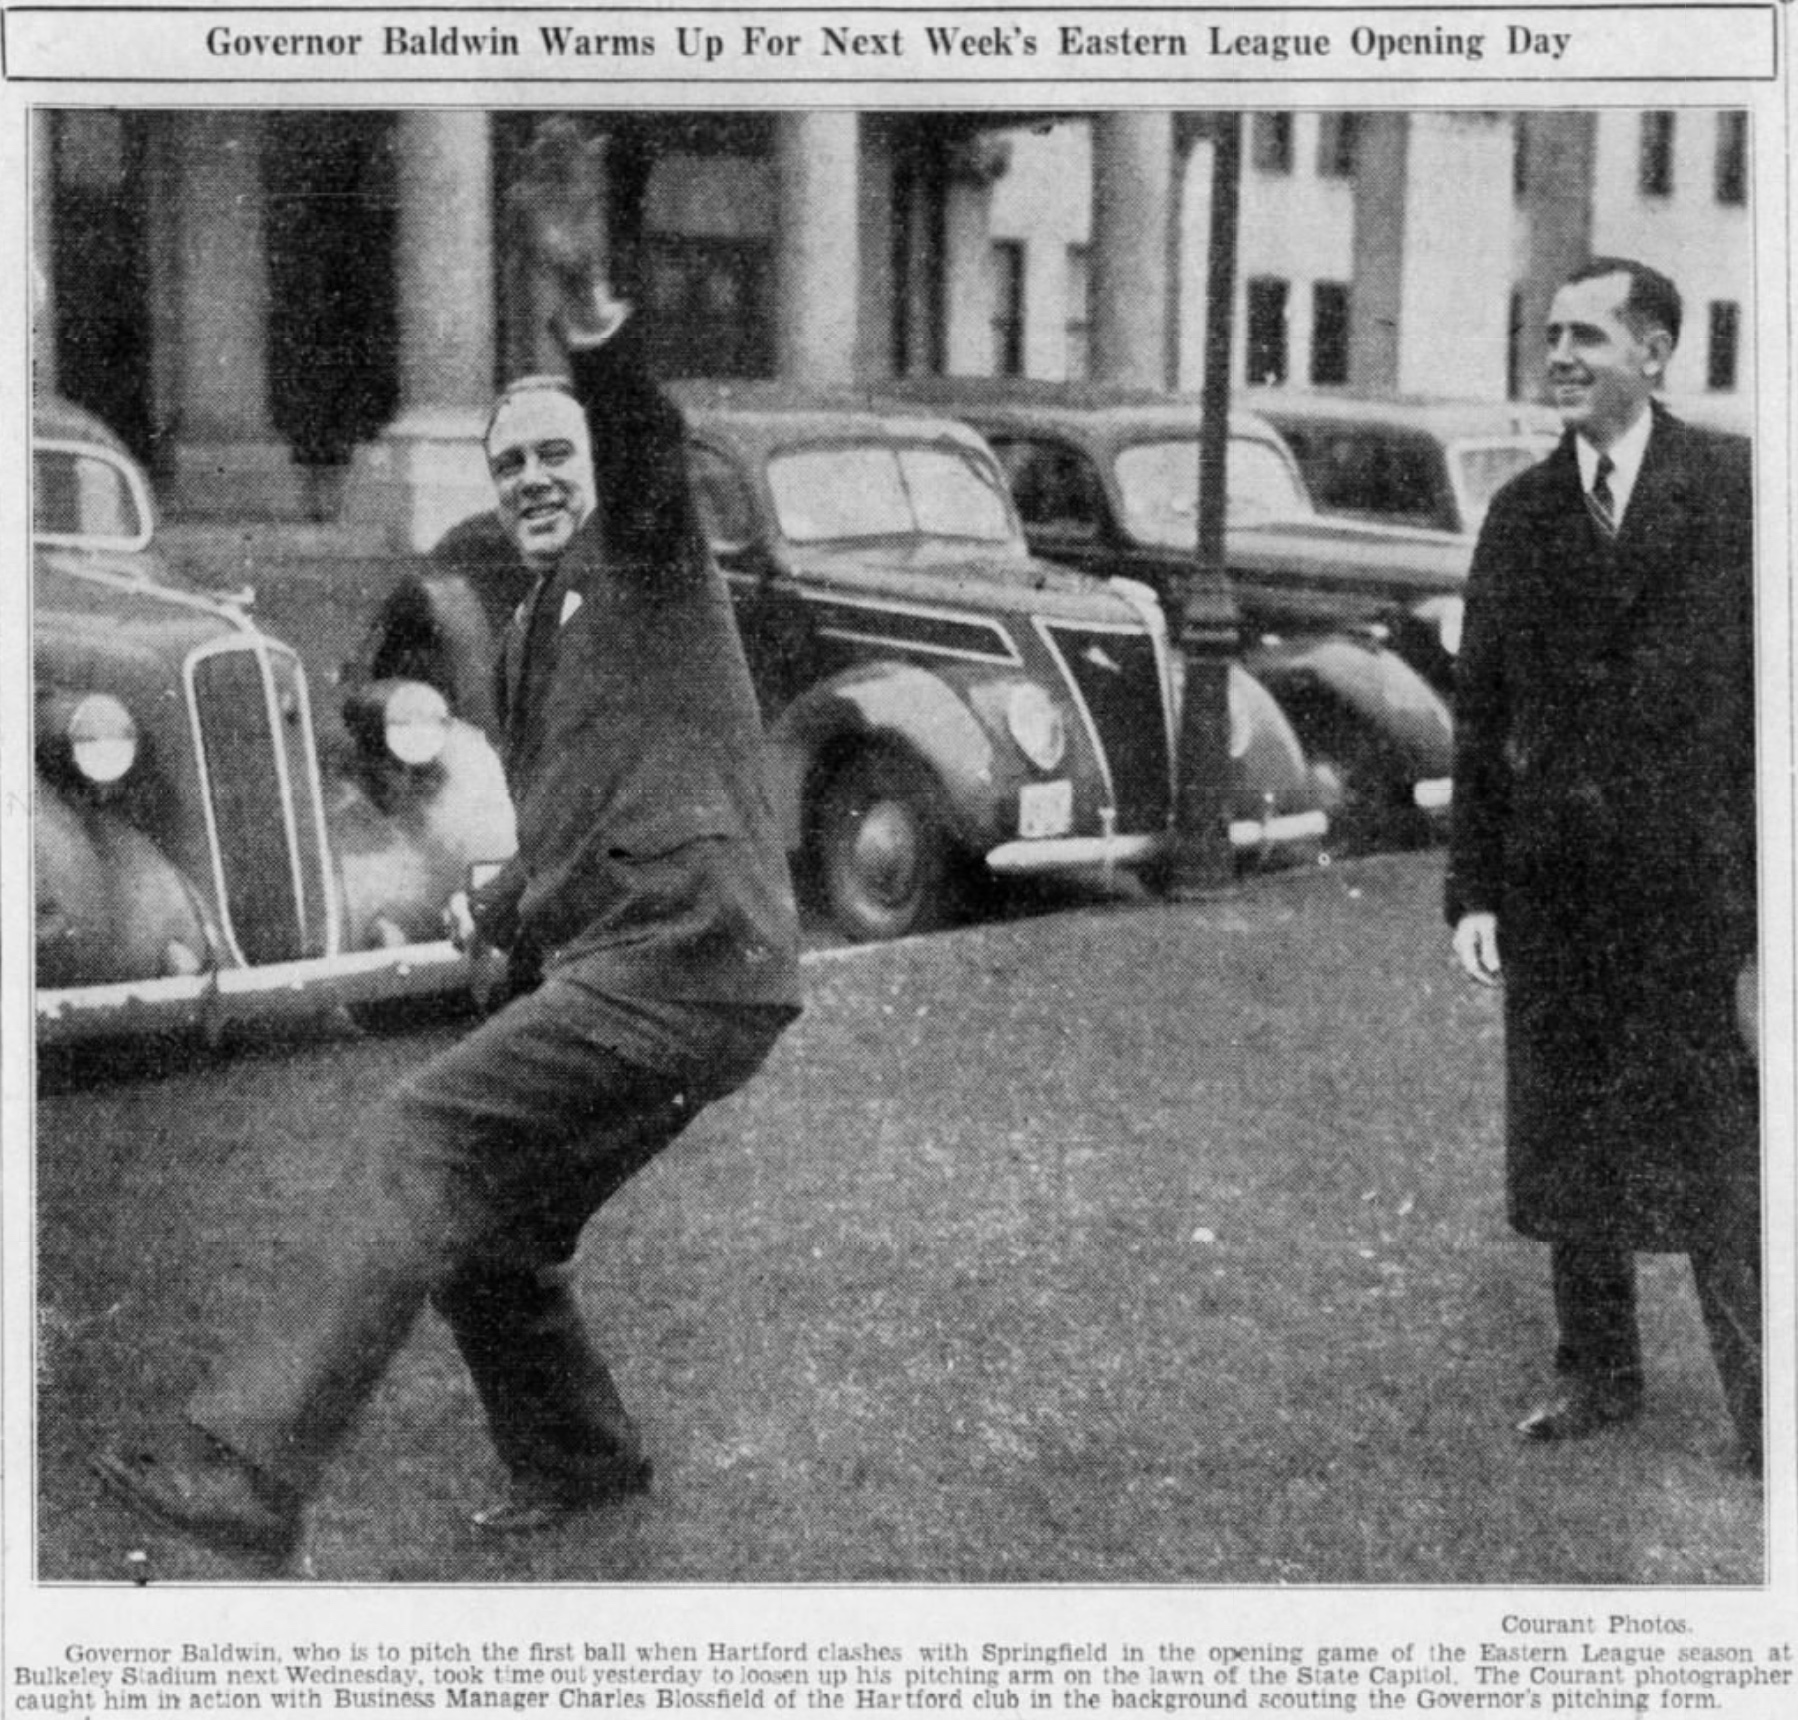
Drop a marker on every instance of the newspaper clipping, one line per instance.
(898, 860)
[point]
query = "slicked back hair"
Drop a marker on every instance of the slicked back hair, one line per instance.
(545, 383)
(1652, 302)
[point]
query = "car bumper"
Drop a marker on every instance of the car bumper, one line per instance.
(1045, 856)
(208, 1002)
(1278, 831)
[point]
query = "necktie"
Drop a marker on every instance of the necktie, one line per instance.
(1600, 500)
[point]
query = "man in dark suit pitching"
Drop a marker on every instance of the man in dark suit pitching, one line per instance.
(1603, 854)
(654, 947)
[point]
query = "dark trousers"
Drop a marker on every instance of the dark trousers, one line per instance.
(470, 1188)
(1595, 1305)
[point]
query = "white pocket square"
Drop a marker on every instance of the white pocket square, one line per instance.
(571, 601)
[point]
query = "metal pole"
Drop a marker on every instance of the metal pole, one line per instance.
(1201, 860)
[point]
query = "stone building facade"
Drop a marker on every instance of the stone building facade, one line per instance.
(304, 314)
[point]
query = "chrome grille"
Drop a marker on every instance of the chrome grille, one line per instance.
(1118, 680)
(264, 814)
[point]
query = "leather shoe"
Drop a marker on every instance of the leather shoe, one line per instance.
(533, 1503)
(1581, 1412)
(187, 1479)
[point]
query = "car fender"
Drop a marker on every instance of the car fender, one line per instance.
(401, 859)
(439, 626)
(1428, 637)
(898, 704)
(111, 906)
(1327, 682)
(1267, 761)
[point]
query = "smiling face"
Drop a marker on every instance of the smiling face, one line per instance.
(541, 460)
(1601, 370)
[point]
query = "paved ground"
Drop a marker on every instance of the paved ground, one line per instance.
(1142, 1242)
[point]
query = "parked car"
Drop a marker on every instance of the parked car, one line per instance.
(201, 855)
(1413, 479)
(1106, 479)
(941, 707)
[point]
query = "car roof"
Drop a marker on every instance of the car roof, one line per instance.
(1448, 420)
(1081, 407)
(772, 414)
(56, 419)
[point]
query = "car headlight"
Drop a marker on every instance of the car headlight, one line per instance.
(1037, 725)
(102, 738)
(415, 721)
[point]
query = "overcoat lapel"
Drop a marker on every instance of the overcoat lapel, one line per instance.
(1659, 510)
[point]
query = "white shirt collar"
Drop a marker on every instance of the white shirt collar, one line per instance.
(1626, 461)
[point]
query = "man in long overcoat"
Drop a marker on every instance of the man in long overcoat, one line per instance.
(1603, 851)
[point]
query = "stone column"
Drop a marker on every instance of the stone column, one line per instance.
(817, 292)
(226, 462)
(1133, 168)
(162, 252)
(43, 255)
(1433, 254)
(427, 470)
(975, 164)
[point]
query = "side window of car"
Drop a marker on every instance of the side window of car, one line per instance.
(1372, 475)
(77, 495)
(726, 513)
(1406, 479)
(1055, 487)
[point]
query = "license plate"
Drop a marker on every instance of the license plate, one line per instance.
(1045, 809)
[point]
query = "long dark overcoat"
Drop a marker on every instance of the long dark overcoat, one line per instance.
(1604, 811)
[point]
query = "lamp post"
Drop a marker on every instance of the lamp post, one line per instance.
(1200, 858)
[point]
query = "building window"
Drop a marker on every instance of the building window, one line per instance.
(1732, 158)
(1517, 351)
(1336, 145)
(1725, 348)
(1008, 307)
(1329, 332)
(1654, 172)
(1273, 142)
(1079, 313)
(1267, 329)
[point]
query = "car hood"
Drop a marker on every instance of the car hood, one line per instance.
(943, 572)
(98, 623)
(123, 586)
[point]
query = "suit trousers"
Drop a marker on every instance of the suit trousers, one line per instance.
(1595, 1306)
(470, 1188)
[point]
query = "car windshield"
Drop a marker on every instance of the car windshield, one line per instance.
(876, 490)
(80, 494)
(1482, 469)
(1159, 486)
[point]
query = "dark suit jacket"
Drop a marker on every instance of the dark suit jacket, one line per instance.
(647, 847)
(1604, 811)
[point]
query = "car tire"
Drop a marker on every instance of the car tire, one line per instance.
(885, 865)
(1369, 807)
